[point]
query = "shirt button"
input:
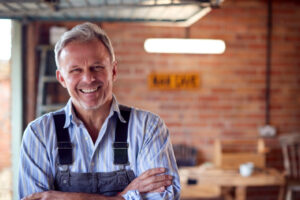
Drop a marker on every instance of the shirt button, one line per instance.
(86, 138)
(92, 163)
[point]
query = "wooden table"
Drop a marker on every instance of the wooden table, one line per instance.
(232, 179)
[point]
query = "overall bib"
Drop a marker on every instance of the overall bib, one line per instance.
(105, 183)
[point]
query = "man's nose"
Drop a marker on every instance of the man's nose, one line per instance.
(88, 76)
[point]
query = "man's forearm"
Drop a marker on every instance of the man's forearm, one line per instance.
(85, 196)
(56, 195)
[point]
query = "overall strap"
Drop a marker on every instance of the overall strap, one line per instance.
(64, 144)
(120, 145)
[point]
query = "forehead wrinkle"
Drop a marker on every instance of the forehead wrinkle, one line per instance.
(85, 59)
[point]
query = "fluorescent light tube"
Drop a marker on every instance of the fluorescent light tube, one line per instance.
(184, 46)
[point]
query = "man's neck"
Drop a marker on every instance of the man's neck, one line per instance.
(93, 119)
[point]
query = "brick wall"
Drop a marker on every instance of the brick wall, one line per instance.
(231, 100)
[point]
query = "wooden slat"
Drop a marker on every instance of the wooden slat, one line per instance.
(199, 191)
(232, 160)
(217, 153)
(286, 160)
(293, 158)
(291, 154)
(261, 148)
(240, 141)
(220, 177)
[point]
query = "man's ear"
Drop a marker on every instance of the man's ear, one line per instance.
(60, 78)
(114, 70)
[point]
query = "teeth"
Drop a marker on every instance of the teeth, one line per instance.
(88, 90)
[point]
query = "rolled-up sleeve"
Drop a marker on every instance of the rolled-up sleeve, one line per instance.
(157, 151)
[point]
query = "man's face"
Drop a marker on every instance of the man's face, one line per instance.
(88, 73)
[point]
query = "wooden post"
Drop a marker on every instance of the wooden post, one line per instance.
(31, 68)
(240, 193)
(217, 153)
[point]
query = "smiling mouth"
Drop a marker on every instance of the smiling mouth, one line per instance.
(89, 90)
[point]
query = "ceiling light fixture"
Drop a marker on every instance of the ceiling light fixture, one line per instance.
(184, 46)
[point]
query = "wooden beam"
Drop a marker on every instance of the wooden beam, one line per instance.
(31, 70)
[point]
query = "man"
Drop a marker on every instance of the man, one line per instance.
(95, 148)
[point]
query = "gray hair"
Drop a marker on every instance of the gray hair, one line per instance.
(83, 33)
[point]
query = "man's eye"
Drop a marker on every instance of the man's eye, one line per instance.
(98, 67)
(75, 70)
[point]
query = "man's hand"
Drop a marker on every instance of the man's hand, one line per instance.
(152, 180)
(56, 195)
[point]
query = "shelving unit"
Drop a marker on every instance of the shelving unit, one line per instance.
(49, 95)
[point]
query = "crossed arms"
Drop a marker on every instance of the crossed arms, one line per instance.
(156, 170)
(152, 180)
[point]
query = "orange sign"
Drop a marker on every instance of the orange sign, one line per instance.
(174, 81)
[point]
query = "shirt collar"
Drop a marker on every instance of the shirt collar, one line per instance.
(115, 108)
(71, 116)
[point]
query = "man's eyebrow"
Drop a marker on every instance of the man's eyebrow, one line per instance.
(97, 63)
(73, 66)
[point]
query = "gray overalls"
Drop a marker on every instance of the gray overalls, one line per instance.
(105, 183)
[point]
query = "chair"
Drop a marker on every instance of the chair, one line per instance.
(185, 155)
(230, 154)
(290, 144)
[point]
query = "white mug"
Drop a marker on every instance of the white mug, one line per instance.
(246, 169)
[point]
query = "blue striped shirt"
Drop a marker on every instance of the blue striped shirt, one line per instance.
(149, 147)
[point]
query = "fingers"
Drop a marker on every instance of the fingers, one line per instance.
(150, 181)
(152, 172)
(154, 180)
(35, 196)
(155, 183)
(158, 179)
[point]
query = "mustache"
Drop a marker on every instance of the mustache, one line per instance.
(91, 85)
